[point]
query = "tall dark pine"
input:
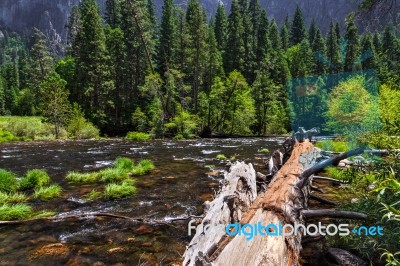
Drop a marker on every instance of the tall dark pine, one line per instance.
(312, 31)
(234, 50)
(274, 36)
(368, 51)
(332, 50)
(298, 30)
(285, 37)
(168, 37)
(352, 46)
(263, 43)
(220, 27)
(113, 13)
(319, 50)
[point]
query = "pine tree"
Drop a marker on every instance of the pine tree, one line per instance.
(352, 46)
(72, 26)
(388, 42)
(298, 30)
(2, 98)
(377, 43)
(263, 43)
(220, 27)
(319, 51)
(168, 37)
(93, 81)
(368, 51)
(274, 36)
(332, 50)
(113, 13)
(285, 37)
(337, 32)
(312, 32)
(234, 50)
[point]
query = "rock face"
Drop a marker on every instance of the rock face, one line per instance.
(51, 16)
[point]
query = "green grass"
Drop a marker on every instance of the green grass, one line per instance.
(47, 193)
(220, 157)
(8, 181)
(124, 163)
(27, 127)
(117, 191)
(34, 179)
(82, 177)
(93, 195)
(12, 198)
(18, 211)
(44, 214)
(330, 145)
(135, 136)
(113, 175)
(6, 136)
(143, 167)
(264, 150)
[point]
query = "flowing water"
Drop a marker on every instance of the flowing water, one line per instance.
(186, 175)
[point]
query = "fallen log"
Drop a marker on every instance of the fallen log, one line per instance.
(333, 180)
(333, 214)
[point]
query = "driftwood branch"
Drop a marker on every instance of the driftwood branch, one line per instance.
(333, 214)
(323, 178)
(322, 200)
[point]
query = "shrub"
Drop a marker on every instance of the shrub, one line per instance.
(46, 193)
(34, 179)
(15, 212)
(330, 145)
(12, 198)
(26, 127)
(8, 181)
(113, 174)
(82, 177)
(137, 136)
(124, 163)
(6, 136)
(116, 191)
(144, 167)
(220, 157)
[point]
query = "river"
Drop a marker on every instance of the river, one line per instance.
(187, 173)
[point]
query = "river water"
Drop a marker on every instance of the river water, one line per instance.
(187, 173)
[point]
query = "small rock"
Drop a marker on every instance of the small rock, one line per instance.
(354, 200)
(114, 250)
(143, 229)
(371, 186)
(98, 263)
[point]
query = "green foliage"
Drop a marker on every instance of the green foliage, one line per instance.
(117, 191)
(26, 128)
(264, 150)
(93, 195)
(44, 214)
(183, 124)
(124, 163)
(143, 167)
(34, 179)
(113, 174)
(8, 181)
(15, 212)
(78, 127)
(389, 101)
(6, 136)
(136, 136)
(47, 193)
(380, 140)
(82, 177)
(330, 145)
(12, 197)
(220, 157)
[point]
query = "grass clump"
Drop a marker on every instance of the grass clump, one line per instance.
(82, 177)
(135, 136)
(47, 193)
(34, 179)
(124, 163)
(8, 181)
(44, 214)
(143, 167)
(117, 191)
(221, 157)
(113, 175)
(12, 198)
(93, 195)
(18, 211)
(264, 150)
(330, 145)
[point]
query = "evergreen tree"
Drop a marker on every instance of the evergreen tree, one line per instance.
(93, 81)
(285, 37)
(2, 98)
(319, 51)
(274, 36)
(332, 50)
(337, 32)
(352, 46)
(263, 43)
(234, 50)
(168, 37)
(298, 30)
(312, 32)
(368, 51)
(300, 59)
(377, 43)
(388, 42)
(113, 13)
(220, 27)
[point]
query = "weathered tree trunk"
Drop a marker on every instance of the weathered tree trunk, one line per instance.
(281, 202)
